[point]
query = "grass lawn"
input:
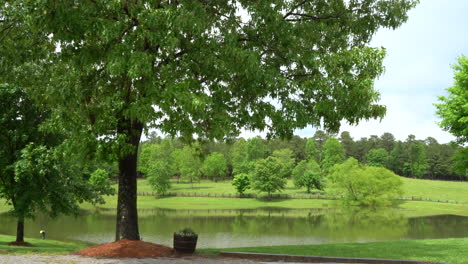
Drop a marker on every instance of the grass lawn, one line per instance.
(435, 190)
(211, 187)
(443, 190)
(47, 247)
(437, 250)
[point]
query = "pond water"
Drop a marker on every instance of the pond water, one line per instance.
(254, 227)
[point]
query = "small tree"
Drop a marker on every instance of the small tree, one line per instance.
(307, 174)
(241, 182)
(377, 157)
(365, 186)
(158, 175)
(267, 176)
(215, 166)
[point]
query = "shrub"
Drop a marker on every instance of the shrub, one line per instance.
(363, 185)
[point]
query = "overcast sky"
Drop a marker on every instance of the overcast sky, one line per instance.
(419, 55)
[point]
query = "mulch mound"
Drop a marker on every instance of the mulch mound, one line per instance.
(21, 244)
(127, 249)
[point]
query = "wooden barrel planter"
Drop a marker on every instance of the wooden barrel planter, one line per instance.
(184, 243)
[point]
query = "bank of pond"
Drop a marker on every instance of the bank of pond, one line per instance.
(252, 227)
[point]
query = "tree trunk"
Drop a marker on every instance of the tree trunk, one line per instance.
(127, 215)
(20, 230)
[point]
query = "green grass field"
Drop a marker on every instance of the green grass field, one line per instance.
(46, 247)
(421, 188)
(427, 189)
(437, 250)
(443, 190)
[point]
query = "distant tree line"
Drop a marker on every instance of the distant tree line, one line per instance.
(427, 159)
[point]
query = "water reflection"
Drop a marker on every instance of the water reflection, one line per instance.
(253, 227)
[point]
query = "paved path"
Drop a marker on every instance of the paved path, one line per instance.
(72, 259)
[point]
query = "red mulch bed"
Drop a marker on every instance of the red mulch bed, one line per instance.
(21, 244)
(127, 249)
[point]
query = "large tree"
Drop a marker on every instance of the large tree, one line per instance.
(206, 68)
(453, 108)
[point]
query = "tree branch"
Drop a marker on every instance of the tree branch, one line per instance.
(7, 27)
(307, 17)
(294, 9)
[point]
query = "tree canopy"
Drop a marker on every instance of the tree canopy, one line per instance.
(199, 68)
(453, 108)
(333, 153)
(267, 176)
(215, 166)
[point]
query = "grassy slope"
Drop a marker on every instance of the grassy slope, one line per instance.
(438, 250)
(443, 190)
(48, 247)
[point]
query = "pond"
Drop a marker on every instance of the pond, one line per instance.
(252, 227)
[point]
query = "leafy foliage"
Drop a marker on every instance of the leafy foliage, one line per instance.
(215, 166)
(241, 182)
(286, 158)
(267, 177)
(416, 159)
(100, 182)
(187, 163)
(239, 157)
(377, 157)
(159, 174)
(197, 68)
(333, 153)
(365, 186)
(453, 108)
(45, 181)
(311, 150)
(461, 162)
(256, 149)
(307, 174)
